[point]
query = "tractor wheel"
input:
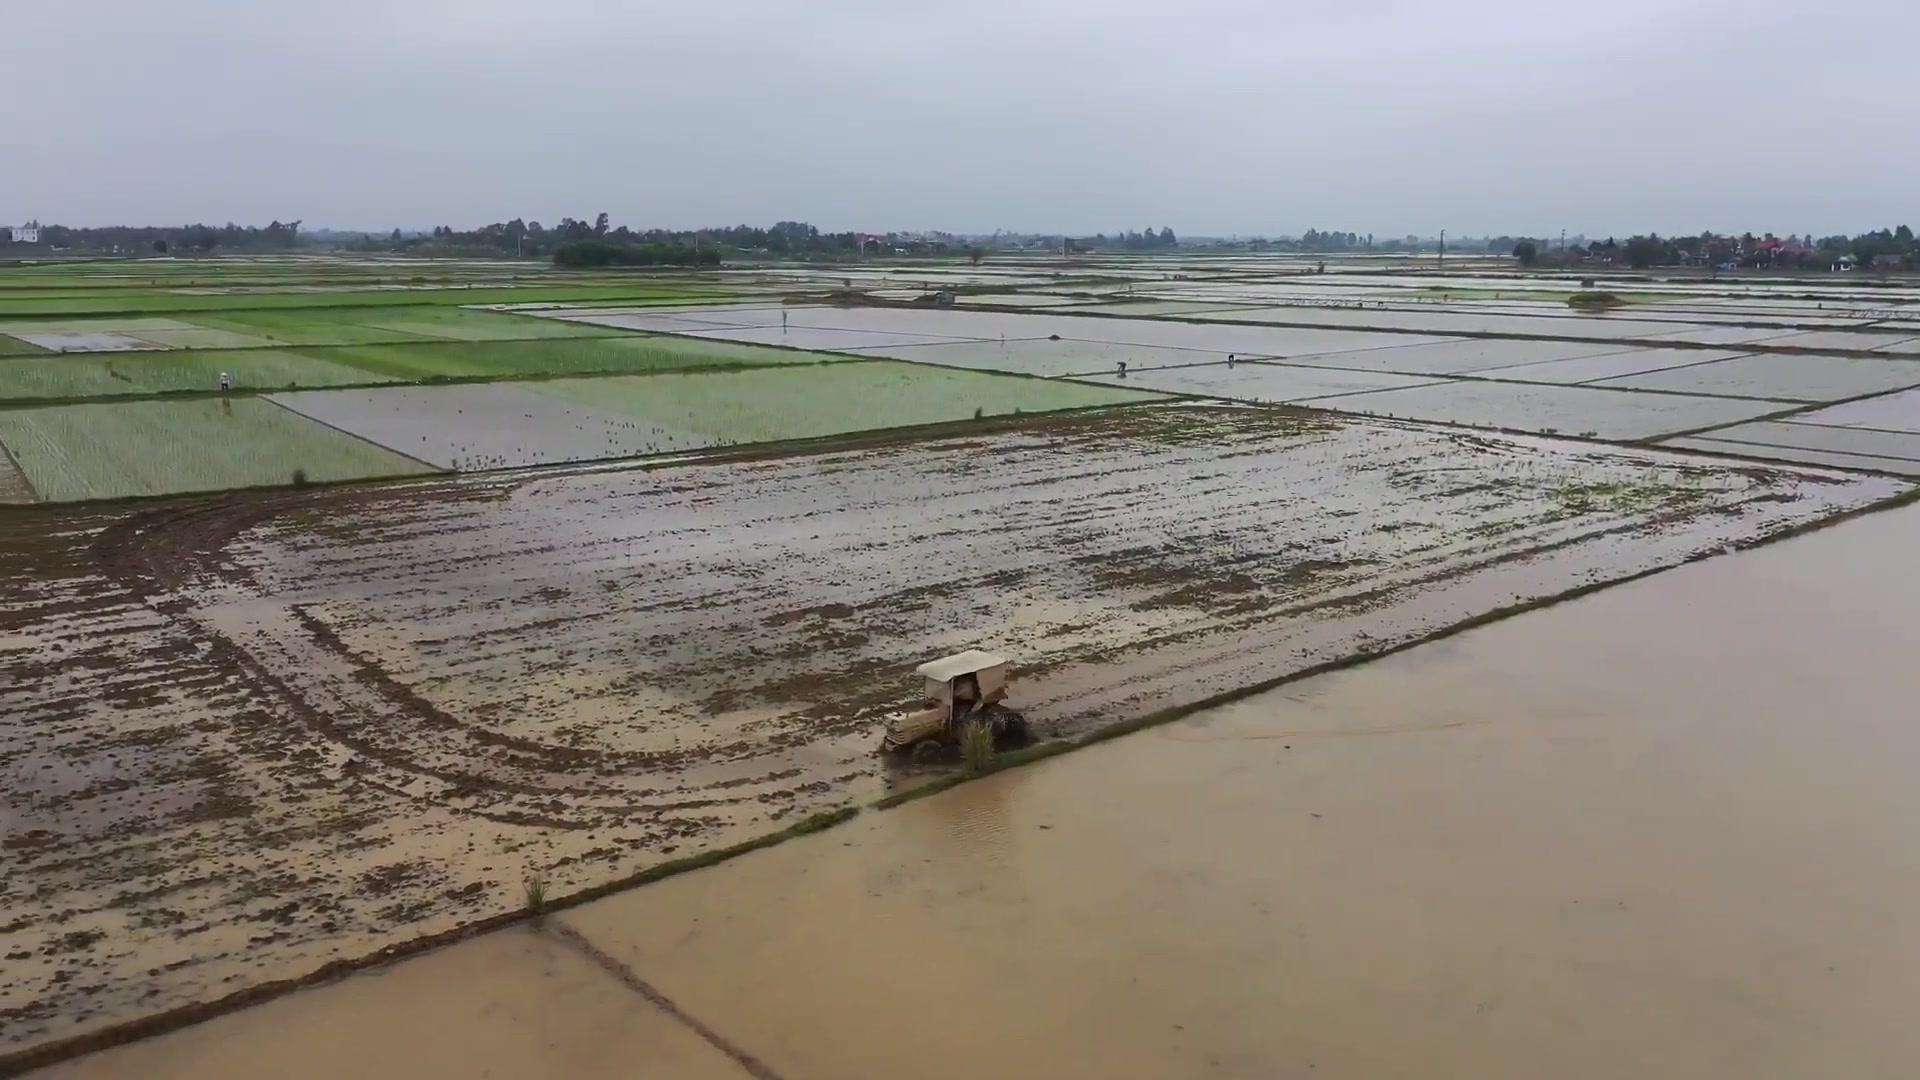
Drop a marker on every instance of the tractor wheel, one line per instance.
(927, 751)
(1013, 728)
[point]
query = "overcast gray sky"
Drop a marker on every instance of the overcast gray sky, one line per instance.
(1212, 116)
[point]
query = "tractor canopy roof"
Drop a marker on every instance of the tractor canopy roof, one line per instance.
(952, 667)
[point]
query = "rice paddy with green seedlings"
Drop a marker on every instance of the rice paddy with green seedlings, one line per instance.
(428, 361)
(114, 302)
(360, 325)
(336, 341)
(114, 450)
(774, 404)
(96, 375)
(13, 346)
(130, 372)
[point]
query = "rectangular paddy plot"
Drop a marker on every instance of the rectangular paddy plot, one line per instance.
(486, 426)
(564, 356)
(1729, 335)
(1262, 382)
(676, 320)
(124, 374)
(1568, 410)
(1455, 357)
(123, 324)
(167, 447)
(13, 346)
(812, 337)
(77, 342)
(1046, 358)
(1161, 333)
(772, 404)
(1013, 299)
(277, 732)
(1890, 412)
(1600, 328)
(1609, 365)
(1783, 376)
(1850, 342)
(355, 326)
(1810, 444)
(1159, 307)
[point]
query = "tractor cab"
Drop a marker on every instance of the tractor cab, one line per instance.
(960, 689)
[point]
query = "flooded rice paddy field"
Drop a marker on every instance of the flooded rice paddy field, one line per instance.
(1880, 433)
(1777, 376)
(483, 426)
(511, 425)
(1624, 389)
(251, 735)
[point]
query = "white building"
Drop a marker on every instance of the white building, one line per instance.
(24, 234)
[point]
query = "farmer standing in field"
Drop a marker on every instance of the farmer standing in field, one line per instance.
(226, 382)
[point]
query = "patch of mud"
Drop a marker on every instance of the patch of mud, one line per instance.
(13, 483)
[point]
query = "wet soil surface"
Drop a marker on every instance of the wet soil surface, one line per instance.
(13, 485)
(242, 737)
(1661, 832)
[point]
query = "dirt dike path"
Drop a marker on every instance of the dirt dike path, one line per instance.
(246, 738)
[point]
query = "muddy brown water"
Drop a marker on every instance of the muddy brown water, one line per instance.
(246, 737)
(1664, 831)
(1658, 832)
(511, 1005)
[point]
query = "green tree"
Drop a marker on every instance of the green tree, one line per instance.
(1526, 253)
(1644, 251)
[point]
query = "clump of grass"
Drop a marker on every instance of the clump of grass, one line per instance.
(299, 478)
(976, 748)
(536, 896)
(1594, 301)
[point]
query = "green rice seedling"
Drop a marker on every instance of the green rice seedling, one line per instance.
(976, 748)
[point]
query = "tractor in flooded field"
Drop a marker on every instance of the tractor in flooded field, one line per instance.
(961, 690)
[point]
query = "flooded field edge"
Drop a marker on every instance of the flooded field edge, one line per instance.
(185, 1016)
(1056, 747)
(866, 439)
(60, 1050)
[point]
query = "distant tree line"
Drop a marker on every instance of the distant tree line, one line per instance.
(530, 239)
(1128, 240)
(580, 254)
(655, 247)
(1314, 241)
(1885, 250)
(165, 239)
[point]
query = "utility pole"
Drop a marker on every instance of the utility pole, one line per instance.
(1442, 261)
(1563, 241)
